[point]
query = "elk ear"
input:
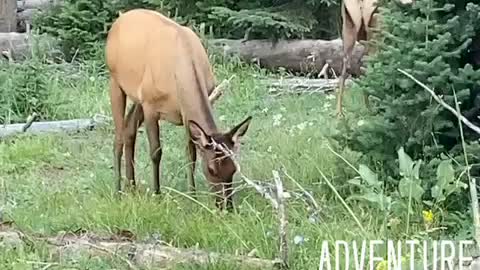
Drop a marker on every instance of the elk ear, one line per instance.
(198, 135)
(238, 131)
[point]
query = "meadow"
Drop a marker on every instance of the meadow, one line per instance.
(64, 182)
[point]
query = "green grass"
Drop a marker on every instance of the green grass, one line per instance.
(63, 182)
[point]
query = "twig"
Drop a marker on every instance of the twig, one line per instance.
(29, 122)
(323, 72)
(342, 200)
(276, 199)
(471, 180)
(218, 91)
(342, 158)
(260, 189)
(8, 54)
(443, 103)
(307, 194)
(282, 216)
(127, 261)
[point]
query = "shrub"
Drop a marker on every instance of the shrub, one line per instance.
(80, 23)
(431, 41)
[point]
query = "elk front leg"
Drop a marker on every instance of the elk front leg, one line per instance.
(133, 121)
(153, 134)
(118, 103)
(192, 154)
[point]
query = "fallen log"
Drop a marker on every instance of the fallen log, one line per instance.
(135, 255)
(51, 126)
(301, 85)
(16, 44)
(35, 4)
(303, 56)
(8, 20)
(19, 45)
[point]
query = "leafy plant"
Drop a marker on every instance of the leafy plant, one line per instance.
(409, 197)
(432, 40)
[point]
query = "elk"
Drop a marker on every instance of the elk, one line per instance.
(163, 68)
(359, 17)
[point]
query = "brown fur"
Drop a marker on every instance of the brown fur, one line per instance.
(164, 69)
(359, 19)
(355, 27)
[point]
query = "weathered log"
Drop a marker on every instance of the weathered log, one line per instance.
(300, 85)
(19, 45)
(133, 254)
(35, 4)
(15, 44)
(51, 127)
(304, 56)
(8, 17)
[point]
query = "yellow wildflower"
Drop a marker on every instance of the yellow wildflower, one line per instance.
(383, 265)
(428, 216)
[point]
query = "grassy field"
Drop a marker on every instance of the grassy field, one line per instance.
(55, 183)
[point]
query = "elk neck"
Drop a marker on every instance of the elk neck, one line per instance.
(193, 93)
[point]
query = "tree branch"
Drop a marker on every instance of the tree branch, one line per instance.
(443, 103)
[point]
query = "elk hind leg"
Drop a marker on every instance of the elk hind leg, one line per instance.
(153, 135)
(349, 36)
(133, 121)
(118, 103)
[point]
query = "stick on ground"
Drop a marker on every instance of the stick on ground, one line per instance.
(135, 255)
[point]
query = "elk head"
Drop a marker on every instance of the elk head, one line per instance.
(218, 166)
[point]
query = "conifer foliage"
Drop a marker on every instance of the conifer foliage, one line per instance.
(432, 40)
(80, 23)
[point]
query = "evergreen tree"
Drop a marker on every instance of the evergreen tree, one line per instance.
(432, 41)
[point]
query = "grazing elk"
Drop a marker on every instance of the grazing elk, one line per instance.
(164, 69)
(359, 17)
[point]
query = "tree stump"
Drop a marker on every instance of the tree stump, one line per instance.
(8, 15)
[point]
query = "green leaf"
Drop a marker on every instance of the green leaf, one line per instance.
(405, 162)
(368, 176)
(416, 169)
(407, 187)
(445, 174)
(436, 192)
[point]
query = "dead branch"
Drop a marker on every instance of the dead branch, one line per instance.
(282, 217)
(135, 255)
(276, 198)
(443, 103)
(29, 122)
(301, 85)
(218, 91)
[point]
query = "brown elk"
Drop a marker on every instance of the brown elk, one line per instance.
(359, 18)
(163, 68)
